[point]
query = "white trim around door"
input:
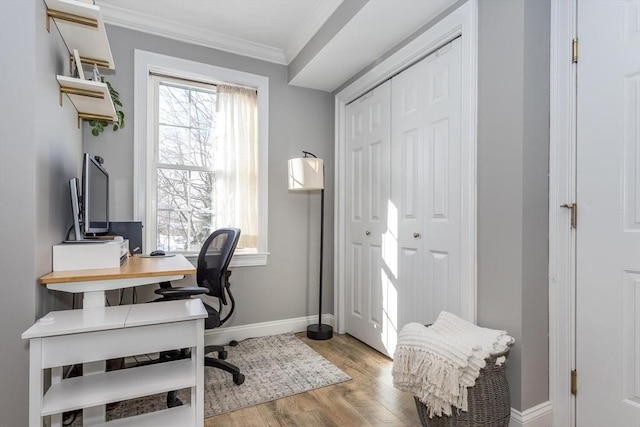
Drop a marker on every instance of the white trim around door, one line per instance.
(462, 21)
(562, 172)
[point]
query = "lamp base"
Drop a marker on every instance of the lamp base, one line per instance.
(319, 332)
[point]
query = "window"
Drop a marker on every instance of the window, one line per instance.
(201, 154)
(204, 162)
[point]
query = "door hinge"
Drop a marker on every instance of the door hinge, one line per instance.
(574, 382)
(574, 213)
(574, 51)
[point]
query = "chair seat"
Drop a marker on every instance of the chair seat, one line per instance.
(183, 292)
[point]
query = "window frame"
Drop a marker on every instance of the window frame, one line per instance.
(147, 63)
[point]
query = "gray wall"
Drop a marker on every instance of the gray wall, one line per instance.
(40, 148)
(535, 251)
(513, 147)
(299, 119)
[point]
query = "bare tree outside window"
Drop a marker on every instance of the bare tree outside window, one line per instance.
(185, 175)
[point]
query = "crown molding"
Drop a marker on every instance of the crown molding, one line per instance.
(185, 33)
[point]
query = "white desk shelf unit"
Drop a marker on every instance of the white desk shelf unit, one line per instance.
(82, 29)
(64, 338)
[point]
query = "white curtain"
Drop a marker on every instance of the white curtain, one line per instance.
(236, 162)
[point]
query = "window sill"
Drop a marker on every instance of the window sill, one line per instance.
(239, 259)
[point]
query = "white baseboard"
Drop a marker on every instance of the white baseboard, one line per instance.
(224, 335)
(539, 416)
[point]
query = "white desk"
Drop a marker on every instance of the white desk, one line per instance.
(69, 337)
(93, 284)
(135, 271)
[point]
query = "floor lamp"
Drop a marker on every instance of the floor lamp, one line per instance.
(307, 174)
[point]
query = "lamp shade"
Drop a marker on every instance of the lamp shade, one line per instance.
(306, 174)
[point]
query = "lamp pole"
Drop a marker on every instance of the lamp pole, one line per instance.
(319, 331)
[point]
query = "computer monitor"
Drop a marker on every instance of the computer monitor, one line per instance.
(95, 196)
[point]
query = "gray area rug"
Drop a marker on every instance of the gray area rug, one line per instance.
(275, 367)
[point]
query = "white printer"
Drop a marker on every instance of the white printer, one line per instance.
(96, 254)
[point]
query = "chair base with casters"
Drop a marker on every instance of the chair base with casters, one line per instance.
(170, 293)
(238, 377)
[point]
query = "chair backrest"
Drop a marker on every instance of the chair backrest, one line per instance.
(213, 260)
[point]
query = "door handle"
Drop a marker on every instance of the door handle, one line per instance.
(416, 235)
(368, 233)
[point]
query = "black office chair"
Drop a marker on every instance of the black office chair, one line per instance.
(212, 277)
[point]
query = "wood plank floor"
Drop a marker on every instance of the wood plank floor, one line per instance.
(369, 399)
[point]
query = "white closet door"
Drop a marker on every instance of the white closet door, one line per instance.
(404, 200)
(408, 174)
(442, 186)
(426, 185)
(368, 291)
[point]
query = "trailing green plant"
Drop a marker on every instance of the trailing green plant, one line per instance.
(98, 126)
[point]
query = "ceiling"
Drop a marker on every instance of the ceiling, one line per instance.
(349, 34)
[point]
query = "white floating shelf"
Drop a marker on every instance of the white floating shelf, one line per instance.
(99, 389)
(82, 28)
(91, 99)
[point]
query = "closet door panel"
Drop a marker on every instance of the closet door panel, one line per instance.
(426, 184)
(407, 182)
(409, 157)
(377, 180)
(411, 288)
(356, 283)
(376, 315)
(377, 160)
(368, 137)
(439, 171)
(443, 181)
(356, 189)
(357, 265)
(439, 268)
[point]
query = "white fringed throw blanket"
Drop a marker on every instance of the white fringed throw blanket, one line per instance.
(438, 363)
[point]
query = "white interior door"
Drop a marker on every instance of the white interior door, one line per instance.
(426, 189)
(367, 288)
(608, 196)
(408, 174)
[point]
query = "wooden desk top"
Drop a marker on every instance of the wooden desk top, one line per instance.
(133, 267)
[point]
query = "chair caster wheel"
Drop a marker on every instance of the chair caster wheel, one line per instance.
(238, 379)
(222, 355)
(172, 400)
(233, 343)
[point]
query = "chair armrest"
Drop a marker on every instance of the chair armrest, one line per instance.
(184, 292)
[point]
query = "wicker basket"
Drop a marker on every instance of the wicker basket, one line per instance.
(489, 401)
